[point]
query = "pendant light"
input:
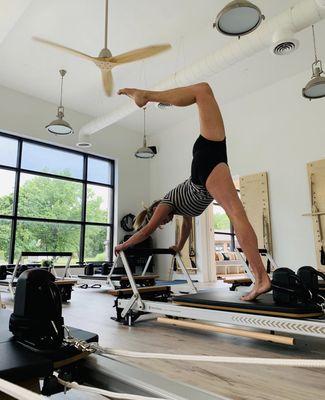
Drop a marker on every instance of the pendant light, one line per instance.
(145, 151)
(238, 18)
(315, 88)
(60, 126)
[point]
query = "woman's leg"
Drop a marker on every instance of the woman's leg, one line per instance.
(220, 185)
(211, 123)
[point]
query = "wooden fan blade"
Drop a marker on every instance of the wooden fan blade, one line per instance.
(139, 54)
(67, 49)
(107, 78)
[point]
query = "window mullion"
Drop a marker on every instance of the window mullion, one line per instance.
(15, 205)
(83, 210)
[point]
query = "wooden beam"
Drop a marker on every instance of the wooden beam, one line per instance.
(230, 331)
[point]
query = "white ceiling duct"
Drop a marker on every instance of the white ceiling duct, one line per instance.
(300, 16)
(284, 43)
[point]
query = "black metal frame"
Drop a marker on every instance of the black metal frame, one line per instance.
(14, 218)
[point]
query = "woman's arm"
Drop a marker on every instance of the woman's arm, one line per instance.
(158, 218)
(185, 233)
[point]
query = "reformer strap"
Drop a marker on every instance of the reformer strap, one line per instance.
(109, 352)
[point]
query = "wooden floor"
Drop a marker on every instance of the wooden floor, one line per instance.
(91, 309)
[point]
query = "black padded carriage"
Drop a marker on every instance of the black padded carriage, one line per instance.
(230, 301)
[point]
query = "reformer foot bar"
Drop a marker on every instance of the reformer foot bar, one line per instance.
(147, 253)
(261, 315)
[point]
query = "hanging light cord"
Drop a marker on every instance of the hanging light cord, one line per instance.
(144, 127)
(106, 23)
(61, 92)
(314, 39)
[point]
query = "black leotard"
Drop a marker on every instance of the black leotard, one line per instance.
(191, 197)
(206, 155)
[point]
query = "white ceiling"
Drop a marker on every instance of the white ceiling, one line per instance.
(32, 68)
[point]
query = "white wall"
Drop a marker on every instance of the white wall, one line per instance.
(25, 115)
(274, 130)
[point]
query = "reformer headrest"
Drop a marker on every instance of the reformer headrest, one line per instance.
(37, 318)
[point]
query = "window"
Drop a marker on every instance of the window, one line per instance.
(8, 151)
(224, 236)
(97, 242)
(99, 171)
(47, 236)
(7, 185)
(5, 234)
(51, 160)
(53, 199)
(50, 198)
(99, 204)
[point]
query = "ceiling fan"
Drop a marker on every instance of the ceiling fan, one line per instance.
(105, 61)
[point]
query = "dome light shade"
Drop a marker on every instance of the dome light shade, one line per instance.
(145, 151)
(238, 18)
(315, 88)
(59, 126)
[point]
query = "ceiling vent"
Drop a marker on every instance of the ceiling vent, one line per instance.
(284, 48)
(284, 43)
(163, 106)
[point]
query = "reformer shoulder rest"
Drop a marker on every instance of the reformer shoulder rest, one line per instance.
(291, 288)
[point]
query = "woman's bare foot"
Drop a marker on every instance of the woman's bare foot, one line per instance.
(139, 96)
(259, 288)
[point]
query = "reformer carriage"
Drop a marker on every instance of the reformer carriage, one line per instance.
(215, 306)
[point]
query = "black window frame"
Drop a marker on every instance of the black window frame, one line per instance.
(232, 231)
(14, 217)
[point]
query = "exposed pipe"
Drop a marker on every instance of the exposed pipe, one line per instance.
(300, 16)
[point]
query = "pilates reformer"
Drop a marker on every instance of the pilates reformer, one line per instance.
(27, 368)
(43, 347)
(219, 307)
(65, 282)
(39, 347)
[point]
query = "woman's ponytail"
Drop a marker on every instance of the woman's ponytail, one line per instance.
(144, 216)
(139, 220)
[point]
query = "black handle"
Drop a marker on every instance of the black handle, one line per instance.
(47, 253)
(261, 251)
(148, 252)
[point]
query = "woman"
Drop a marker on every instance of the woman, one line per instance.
(210, 179)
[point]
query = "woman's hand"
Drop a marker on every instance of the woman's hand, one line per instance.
(119, 248)
(175, 248)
